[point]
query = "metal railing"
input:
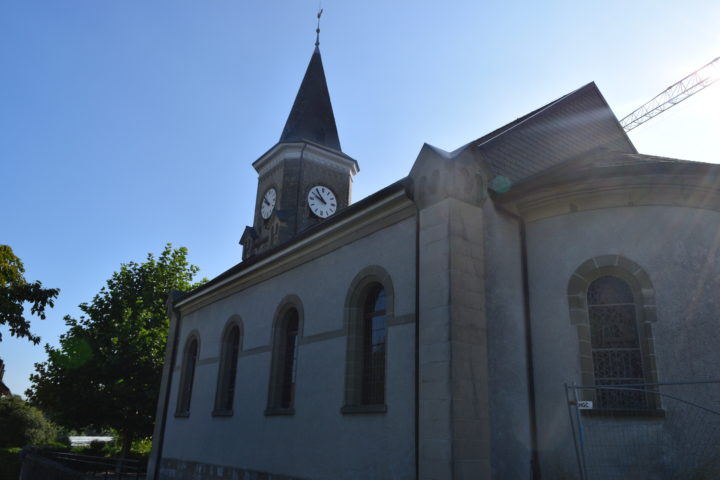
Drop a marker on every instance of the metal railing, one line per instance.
(88, 466)
(102, 467)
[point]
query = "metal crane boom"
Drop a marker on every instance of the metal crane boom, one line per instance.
(674, 94)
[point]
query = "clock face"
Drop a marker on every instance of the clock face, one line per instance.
(267, 205)
(321, 201)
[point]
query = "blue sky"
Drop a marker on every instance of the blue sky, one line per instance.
(127, 124)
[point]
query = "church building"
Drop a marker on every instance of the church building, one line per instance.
(428, 331)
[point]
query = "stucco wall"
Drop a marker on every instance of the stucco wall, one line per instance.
(317, 441)
(678, 248)
(510, 434)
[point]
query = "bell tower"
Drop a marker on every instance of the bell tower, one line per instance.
(305, 178)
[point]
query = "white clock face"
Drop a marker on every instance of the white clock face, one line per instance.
(321, 201)
(267, 205)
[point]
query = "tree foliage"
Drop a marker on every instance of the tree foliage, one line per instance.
(106, 372)
(15, 291)
(22, 424)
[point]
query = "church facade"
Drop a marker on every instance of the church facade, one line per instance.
(427, 331)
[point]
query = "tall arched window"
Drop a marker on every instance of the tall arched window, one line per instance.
(288, 361)
(373, 347)
(615, 343)
(612, 305)
(190, 354)
(230, 350)
(286, 335)
(369, 310)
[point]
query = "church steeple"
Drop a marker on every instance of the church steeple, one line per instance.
(305, 178)
(311, 117)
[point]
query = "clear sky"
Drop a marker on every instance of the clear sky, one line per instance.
(127, 124)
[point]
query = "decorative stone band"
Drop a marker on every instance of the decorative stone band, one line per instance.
(405, 319)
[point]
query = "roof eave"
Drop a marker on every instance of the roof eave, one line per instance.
(401, 186)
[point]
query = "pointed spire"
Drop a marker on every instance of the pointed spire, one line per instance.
(311, 117)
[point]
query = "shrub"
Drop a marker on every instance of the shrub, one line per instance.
(22, 424)
(141, 447)
(63, 437)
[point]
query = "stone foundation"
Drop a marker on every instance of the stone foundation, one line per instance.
(171, 468)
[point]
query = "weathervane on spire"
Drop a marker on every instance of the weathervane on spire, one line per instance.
(317, 30)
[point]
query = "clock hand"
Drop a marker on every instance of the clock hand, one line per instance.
(266, 202)
(318, 196)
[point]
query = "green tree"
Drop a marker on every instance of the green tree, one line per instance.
(15, 291)
(22, 424)
(106, 372)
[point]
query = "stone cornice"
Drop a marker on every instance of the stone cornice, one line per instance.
(615, 187)
(308, 150)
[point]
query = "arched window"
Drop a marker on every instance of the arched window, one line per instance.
(369, 310)
(615, 343)
(286, 335)
(373, 347)
(288, 354)
(190, 354)
(229, 353)
(612, 305)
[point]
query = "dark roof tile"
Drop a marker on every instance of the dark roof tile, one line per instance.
(575, 123)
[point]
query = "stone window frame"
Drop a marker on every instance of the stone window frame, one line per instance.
(278, 352)
(645, 314)
(224, 367)
(187, 376)
(360, 287)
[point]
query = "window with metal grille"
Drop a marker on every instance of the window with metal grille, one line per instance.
(228, 371)
(373, 348)
(186, 377)
(615, 341)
